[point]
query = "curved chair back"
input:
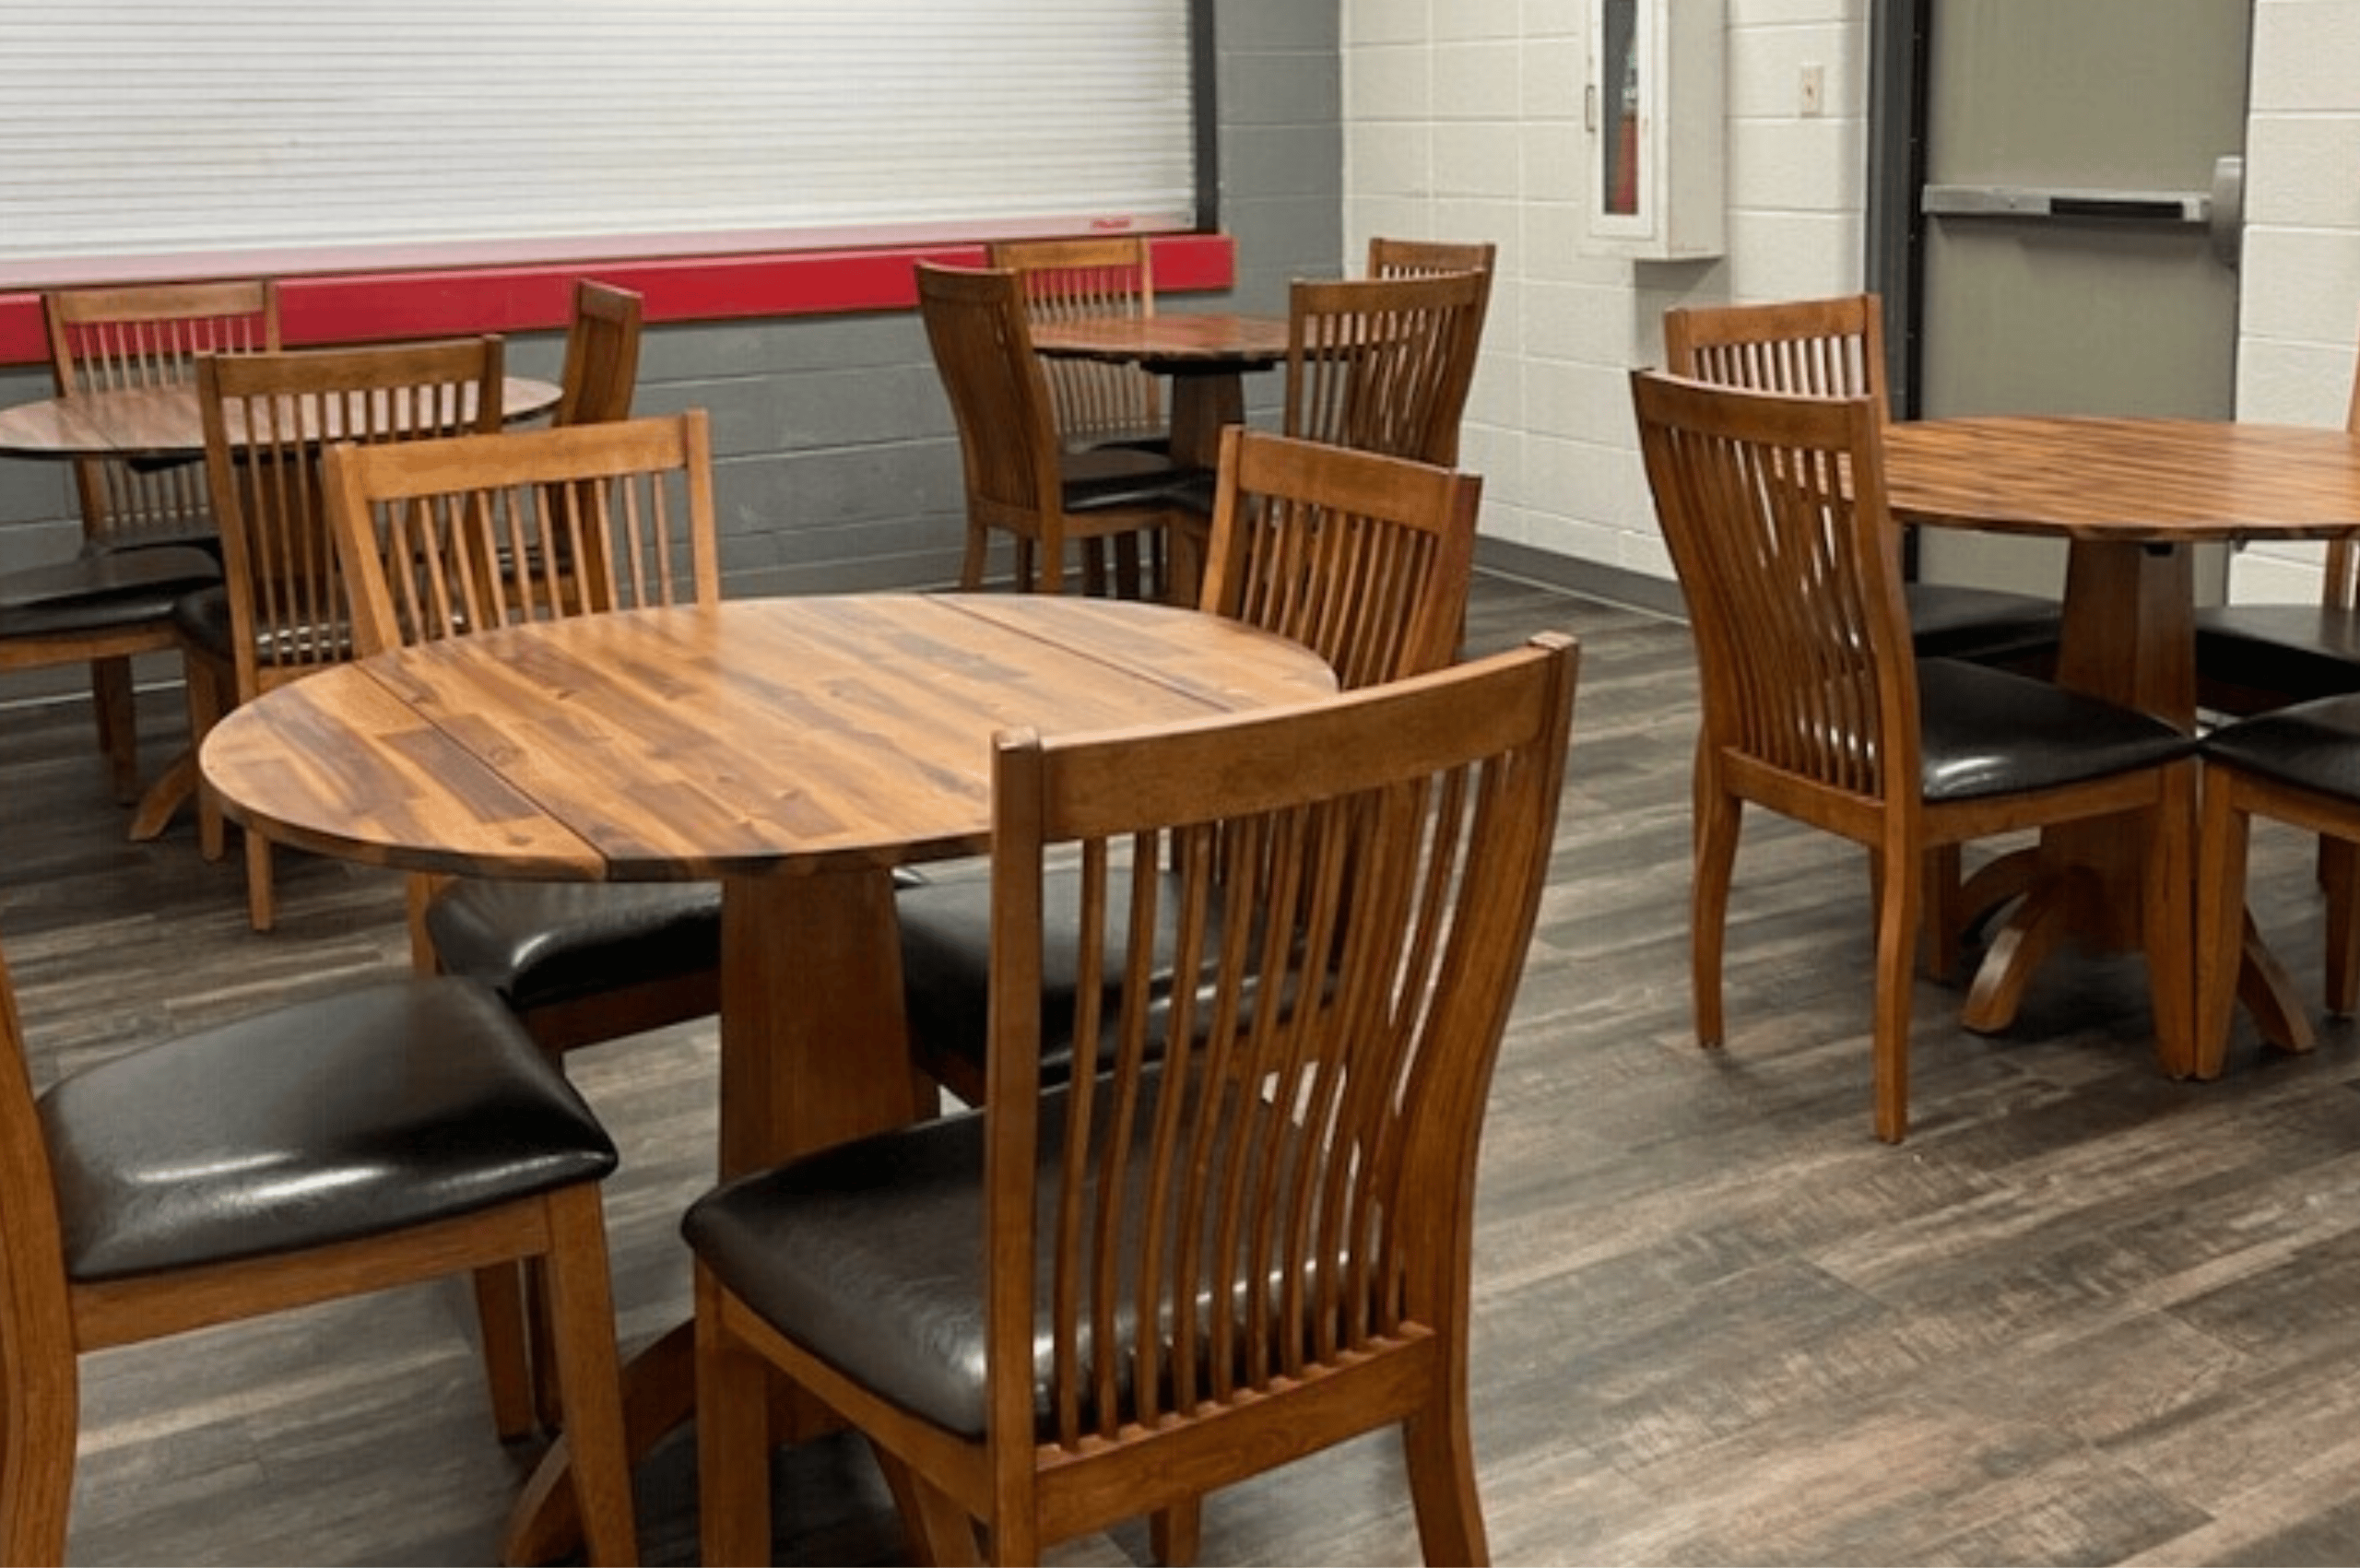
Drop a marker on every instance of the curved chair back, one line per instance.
(1832, 347)
(601, 355)
(1363, 558)
(1384, 364)
(999, 395)
(1097, 403)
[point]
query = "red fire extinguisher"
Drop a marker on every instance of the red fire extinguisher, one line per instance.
(1624, 196)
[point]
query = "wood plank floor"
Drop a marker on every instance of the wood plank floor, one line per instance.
(2084, 1315)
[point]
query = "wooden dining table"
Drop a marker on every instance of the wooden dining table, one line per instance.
(159, 423)
(162, 424)
(796, 750)
(1207, 357)
(2132, 497)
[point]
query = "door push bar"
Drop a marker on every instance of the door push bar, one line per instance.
(2219, 211)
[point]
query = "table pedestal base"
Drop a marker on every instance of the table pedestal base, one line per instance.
(811, 999)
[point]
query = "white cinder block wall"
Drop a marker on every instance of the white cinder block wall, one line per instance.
(2299, 285)
(1462, 120)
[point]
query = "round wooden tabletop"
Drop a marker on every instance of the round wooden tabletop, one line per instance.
(808, 733)
(2127, 480)
(164, 421)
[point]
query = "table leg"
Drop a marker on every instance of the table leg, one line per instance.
(2128, 636)
(1203, 401)
(814, 1051)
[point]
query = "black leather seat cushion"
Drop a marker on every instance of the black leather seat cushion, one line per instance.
(203, 620)
(871, 1254)
(1951, 620)
(2289, 650)
(1988, 732)
(391, 1104)
(92, 592)
(946, 962)
(1104, 478)
(2313, 744)
(541, 942)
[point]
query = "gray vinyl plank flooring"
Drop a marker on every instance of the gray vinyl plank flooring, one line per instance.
(2084, 1315)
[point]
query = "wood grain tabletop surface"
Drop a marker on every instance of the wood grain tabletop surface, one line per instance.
(806, 733)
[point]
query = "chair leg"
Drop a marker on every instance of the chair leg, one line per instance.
(1719, 816)
(2169, 900)
(262, 901)
(1440, 1457)
(1900, 899)
(2339, 872)
(507, 1362)
(582, 1308)
(733, 1436)
(208, 701)
(1176, 1534)
(2222, 843)
(40, 1426)
(970, 566)
(116, 706)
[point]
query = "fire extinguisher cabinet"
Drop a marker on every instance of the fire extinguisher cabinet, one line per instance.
(1652, 118)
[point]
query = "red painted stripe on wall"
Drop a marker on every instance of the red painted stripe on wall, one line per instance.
(353, 307)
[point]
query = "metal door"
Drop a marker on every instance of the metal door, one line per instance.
(2078, 222)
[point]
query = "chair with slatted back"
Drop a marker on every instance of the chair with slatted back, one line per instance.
(387, 1135)
(1384, 364)
(1098, 403)
(601, 371)
(1020, 478)
(1836, 346)
(1243, 1233)
(282, 611)
(147, 528)
(1365, 559)
(1816, 706)
(454, 537)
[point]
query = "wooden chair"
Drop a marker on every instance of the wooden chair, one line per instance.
(1097, 403)
(283, 611)
(1836, 347)
(1020, 478)
(453, 537)
(107, 604)
(390, 1134)
(2297, 764)
(1250, 1238)
(1364, 560)
(1816, 706)
(601, 369)
(1384, 364)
